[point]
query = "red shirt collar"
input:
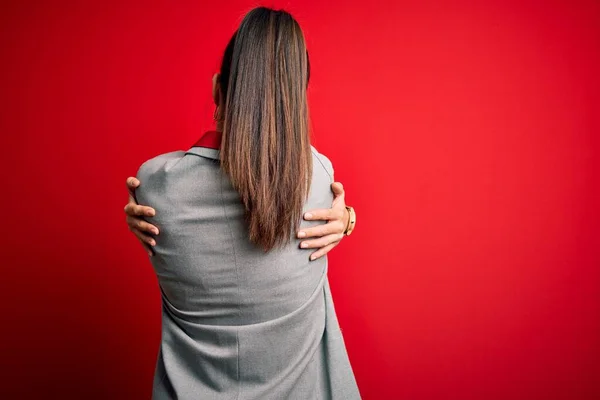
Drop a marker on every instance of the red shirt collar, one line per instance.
(210, 139)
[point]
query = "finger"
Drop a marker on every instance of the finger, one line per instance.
(337, 188)
(134, 210)
(147, 240)
(132, 183)
(324, 214)
(322, 251)
(144, 226)
(141, 225)
(322, 230)
(321, 242)
(146, 247)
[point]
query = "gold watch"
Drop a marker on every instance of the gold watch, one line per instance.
(351, 221)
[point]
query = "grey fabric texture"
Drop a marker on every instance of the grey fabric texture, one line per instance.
(237, 322)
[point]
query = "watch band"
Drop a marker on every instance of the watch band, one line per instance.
(351, 221)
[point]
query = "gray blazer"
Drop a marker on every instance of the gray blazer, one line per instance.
(238, 323)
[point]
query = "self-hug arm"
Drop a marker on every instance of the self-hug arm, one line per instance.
(323, 237)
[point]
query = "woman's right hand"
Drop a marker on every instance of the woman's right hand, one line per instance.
(143, 230)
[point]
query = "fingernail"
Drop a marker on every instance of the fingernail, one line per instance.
(304, 244)
(150, 213)
(155, 231)
(152, 242)
(313, 257)
(149, 253)
(301, 234)
(308, 215)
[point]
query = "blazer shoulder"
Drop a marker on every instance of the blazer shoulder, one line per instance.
(160, 163)
(323, 161)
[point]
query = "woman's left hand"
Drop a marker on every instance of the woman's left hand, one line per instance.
(328, 235)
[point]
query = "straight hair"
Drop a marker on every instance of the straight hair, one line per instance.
(265, 148)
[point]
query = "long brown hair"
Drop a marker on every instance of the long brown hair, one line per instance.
(266, 149)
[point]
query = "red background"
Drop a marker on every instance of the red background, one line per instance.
(466, 135)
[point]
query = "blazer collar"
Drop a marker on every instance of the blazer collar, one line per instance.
(208, 145)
